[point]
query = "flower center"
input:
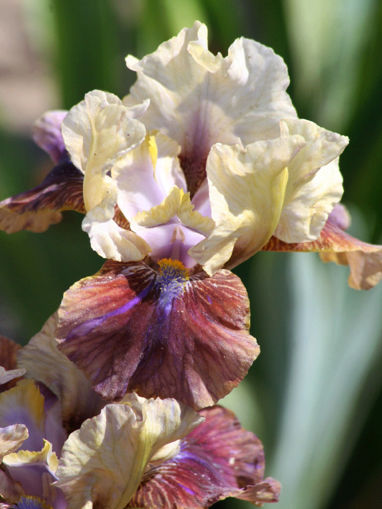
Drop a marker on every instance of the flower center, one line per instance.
(171, 281)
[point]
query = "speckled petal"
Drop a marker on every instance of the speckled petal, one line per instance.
(198, 98)
(103, 462)
(335, 245)
(216, 460)
(45, 363)
(130, 327)
(47, 134)
(38, 208)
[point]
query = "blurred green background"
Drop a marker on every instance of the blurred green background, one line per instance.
(314, 395)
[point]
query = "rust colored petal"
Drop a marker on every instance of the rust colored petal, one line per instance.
(8, 353)
(216, 460)
(335, 245)
(131, 329)
(38, 208)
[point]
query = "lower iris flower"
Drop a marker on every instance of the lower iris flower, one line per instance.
(136, 453)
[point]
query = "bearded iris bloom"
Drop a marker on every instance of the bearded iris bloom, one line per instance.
(63, 447)
(203, 164)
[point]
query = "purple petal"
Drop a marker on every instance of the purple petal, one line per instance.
(133, 327)
(47, 134)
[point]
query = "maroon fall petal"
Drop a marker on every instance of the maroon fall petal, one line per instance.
(216, 460)
(38, 208)
(335, 245)
(132, 328)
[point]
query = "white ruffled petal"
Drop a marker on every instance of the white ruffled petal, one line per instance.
(198, 98)
(98, 132)
(315, 182)
(247, 190)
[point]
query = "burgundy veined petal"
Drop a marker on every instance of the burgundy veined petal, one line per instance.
(130, 332)
(216, 460)
(335, 245)
(38, 208)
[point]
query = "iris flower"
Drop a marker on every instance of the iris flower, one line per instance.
(63, 447)
(202, 165)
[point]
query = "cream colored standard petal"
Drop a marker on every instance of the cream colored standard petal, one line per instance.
(11, 438)
(249, 85)
(303, 218)
(198, 98)
(103, 462)
(247, 190)
(44, 362)
(315, 182)
(97, 132)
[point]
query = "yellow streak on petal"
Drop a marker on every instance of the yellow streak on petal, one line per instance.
(153, 149)
(247, 194)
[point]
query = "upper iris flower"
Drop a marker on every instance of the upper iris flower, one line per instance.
(62, 447)
(203, 164)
